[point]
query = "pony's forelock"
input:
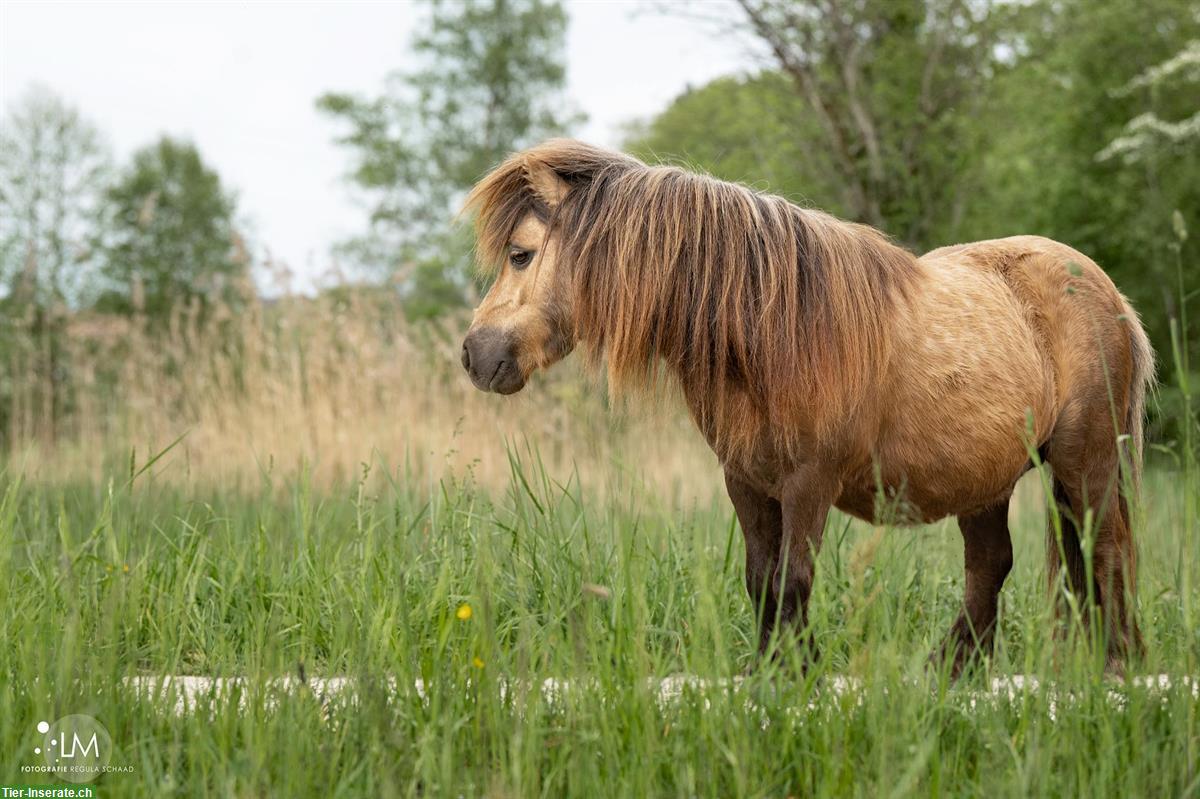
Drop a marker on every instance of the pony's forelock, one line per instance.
(506, 195)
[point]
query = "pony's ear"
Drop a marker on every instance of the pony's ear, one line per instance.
(546, 184)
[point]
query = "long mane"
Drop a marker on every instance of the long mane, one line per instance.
(776, 319)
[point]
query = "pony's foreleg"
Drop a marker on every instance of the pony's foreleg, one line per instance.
(987, 560)
(762, 525)
(805, 499)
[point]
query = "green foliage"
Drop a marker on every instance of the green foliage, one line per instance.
(1055, 111)
(490, 82)
(1148, 132)
(53, 168)
(890, 90)
(988, 119)
(752, 129)
(170, 237)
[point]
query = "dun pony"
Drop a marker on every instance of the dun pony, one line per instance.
(827, 366)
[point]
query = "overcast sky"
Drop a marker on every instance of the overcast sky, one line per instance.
(239, 79)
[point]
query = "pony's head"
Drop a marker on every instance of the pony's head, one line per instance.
(526, 321)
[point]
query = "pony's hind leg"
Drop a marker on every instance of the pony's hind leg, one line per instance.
(987, 560)
(1094, 517)
(1064, 556)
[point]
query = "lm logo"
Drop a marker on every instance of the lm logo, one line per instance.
(77, 748)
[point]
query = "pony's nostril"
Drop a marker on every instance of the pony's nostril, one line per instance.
(489, 359)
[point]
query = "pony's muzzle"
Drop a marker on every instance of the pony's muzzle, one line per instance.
(491, 361)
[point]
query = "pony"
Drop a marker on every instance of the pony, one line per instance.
(828, 367)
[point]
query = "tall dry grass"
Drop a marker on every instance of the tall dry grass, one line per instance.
(321, 385)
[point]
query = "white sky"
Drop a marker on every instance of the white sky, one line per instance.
(240, 80)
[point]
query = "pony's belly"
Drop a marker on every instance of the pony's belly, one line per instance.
(913, 496)
(936, 476)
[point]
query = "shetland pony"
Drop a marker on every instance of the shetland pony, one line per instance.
(828, 367)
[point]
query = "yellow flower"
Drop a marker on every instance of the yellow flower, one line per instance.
(464, 612)
(125, 568)
(477, 662)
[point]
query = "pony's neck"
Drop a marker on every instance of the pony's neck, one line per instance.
(749, 300)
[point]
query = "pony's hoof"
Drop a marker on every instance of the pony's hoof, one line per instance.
(954, 658)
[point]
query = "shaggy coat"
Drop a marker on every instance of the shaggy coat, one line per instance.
(827, 366)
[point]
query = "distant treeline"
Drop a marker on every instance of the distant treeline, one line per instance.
(942, 121)
(937, 121)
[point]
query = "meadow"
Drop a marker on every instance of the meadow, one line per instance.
(381, 582)
(345, 505)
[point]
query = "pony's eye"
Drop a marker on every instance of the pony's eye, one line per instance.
(520, 258)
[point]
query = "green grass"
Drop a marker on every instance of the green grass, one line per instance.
(104, 583)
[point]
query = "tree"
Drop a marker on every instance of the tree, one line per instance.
(53, 165)
(491, 80)
(892, 87)
(170, 237)
(1148, 132)
(751, 129)
(1052, 168)
(954, 120)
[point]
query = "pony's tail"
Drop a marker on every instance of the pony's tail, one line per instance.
(1141, 382)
